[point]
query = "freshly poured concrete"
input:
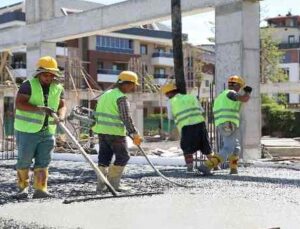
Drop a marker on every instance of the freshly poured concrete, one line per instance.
(257, 198)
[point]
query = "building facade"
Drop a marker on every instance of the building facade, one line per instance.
(286, 31)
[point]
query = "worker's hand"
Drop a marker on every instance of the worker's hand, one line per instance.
(137, 139)
(248, 89)
(60, 119)
(47, 110)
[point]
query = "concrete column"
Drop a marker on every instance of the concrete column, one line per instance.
(237, 52)
(38, 10)
(1, 113)
(137, 112)
(37, 50)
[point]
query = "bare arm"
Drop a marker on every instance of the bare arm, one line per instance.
(62, 109)
(22, 103)
(238, 97)
(243, 98)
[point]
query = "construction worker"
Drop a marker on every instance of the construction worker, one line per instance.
(112, 121)
(37, 98)
(226, 111)
(187, 114)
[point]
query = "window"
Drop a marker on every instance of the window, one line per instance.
(114, 44)
(160, 49)
(286, 71)
(206, 83)
(100, 65)
(291, 39)
(144, 49)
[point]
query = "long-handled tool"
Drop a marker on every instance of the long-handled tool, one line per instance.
(99, 174)
(77, 113)
(158, 172)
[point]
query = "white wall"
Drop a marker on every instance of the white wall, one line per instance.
(294, 76)
(281, 34)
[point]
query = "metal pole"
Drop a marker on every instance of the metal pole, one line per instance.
(99, 174)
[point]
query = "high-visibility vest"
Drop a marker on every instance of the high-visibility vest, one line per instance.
(33, 121)
(107, 114)
(186, 110)
(226, 110)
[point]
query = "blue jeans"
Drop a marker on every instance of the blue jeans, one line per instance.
(38, 146)
(230, 137)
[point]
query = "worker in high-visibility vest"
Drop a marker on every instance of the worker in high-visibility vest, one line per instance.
(187, 114)
(226, 111)
(113, 123)
(37, 98)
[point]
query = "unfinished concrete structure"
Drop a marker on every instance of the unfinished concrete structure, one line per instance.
(237, 41)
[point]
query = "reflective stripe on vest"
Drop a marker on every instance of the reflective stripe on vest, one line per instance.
(33, 121)
(226, 110)
(107, 114)
(186, 110)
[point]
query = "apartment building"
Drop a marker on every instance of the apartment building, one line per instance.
(286, 31)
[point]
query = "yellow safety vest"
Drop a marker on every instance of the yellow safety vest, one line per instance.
(33, 121)
(186, 110)
(107, 114)
(226, 110)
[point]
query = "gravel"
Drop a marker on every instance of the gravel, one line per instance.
(256, 198)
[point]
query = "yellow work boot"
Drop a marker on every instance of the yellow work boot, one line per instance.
(23, 183)
(101, 185)
(40, 183)
(233, 164)
(114, 177)
(209, 156)
(212, 162)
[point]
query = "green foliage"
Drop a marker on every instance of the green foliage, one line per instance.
(270, 57)
(279, 121)
(152, 124)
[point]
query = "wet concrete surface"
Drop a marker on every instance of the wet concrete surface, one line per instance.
(256, 198)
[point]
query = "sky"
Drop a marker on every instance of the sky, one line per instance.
(199, 27)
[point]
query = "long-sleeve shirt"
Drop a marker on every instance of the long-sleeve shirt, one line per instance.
(125, 115)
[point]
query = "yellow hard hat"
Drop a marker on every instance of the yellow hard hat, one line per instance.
(236, 79)
(168, 87)
(128, 76)
(48, 64)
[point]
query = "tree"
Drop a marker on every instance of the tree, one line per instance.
(177, 45)
(270, 58)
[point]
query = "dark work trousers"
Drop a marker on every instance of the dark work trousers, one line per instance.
(110, 145)
(194, 138)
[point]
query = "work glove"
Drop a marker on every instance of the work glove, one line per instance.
(137, 139)
(248, 89)
(47, 110)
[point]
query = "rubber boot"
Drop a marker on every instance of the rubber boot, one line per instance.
(114, 177)
(40, 183)
(23, 184)
(189, 161)
(233, 164)
(101, 185)
(209, 156)
(207, 166)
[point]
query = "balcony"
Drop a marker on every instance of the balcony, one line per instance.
(160, 78)
(61, 51)
(12, 19)
(19, 69)
(115, 50)
(289, 45)
(163, 59)
(108, 75)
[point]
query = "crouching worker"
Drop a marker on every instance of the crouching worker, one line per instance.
(187, 114)
(226, 111)
(37, 98)
(112, 121)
